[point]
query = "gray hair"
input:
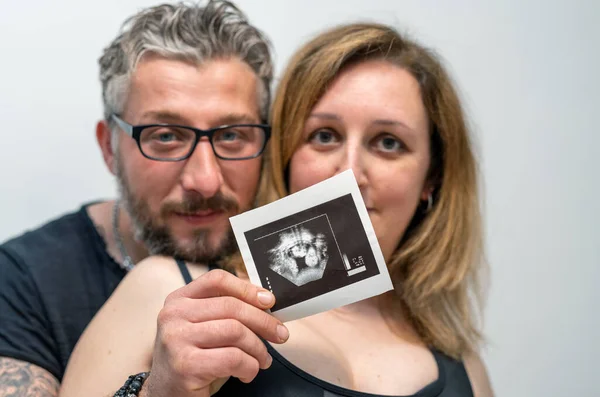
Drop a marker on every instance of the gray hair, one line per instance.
(186, 32)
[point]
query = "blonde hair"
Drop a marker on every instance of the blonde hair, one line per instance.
(436, 267)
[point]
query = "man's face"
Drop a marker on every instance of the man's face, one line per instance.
(182, 208)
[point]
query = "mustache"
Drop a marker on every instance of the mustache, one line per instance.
(195, 203)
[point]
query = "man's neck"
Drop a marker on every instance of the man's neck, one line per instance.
(135, 249)
(102, 217)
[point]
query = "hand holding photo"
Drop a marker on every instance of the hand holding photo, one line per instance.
(315, 249)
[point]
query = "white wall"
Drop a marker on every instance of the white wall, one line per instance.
(528, 71)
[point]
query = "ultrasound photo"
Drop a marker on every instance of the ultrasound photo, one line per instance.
(312, 252)
(312, 249)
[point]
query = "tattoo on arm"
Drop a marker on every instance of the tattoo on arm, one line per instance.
(22, 379)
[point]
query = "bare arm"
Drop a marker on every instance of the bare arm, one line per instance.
(480, 381)
(207, 331)
(22, 379)
(118, 342)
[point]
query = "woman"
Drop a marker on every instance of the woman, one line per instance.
(363, 97)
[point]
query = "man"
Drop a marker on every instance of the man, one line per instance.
(171, 81)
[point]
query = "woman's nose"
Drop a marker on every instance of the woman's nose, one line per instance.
(354, 158)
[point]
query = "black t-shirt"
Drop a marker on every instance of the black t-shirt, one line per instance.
(53, 280)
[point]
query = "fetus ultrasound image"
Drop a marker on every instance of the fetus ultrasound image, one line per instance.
(301, 255)
(312, 252)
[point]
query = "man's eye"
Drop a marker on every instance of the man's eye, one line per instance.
(238, 134)
(165, 137)
(230, 135)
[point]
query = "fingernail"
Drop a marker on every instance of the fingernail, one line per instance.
(269, 361)
(283, 333)
(265, 298)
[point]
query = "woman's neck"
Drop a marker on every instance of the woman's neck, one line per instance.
(382, 309)
(358, 311)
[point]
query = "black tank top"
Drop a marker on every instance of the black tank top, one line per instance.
(284, 379)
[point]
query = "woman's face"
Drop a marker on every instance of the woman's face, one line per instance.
(371, 120)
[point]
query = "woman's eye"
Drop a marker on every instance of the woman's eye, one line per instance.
(323, 137)
(389, 144)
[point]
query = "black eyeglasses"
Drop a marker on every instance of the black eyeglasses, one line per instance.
(168, 142)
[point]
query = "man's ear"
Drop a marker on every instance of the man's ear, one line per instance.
(104, 138)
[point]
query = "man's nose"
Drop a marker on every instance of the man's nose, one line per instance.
(202, 172)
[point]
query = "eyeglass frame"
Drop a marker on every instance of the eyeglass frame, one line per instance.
(135, 132)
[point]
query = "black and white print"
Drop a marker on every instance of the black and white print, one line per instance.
(315, 250)
(312, 252)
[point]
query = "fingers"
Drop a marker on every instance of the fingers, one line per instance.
(197, 368)
(229, 333)
(224, 295)
(221, 283)
(222, 308)
(227, 361)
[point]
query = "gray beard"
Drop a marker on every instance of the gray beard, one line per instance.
(159, 240)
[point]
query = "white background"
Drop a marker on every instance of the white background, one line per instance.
(528, 72)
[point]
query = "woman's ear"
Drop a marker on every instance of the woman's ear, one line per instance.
(104, 138)
(427, 191)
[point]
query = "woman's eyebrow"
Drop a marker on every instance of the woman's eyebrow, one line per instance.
(394, 123)
(390, 122)
(327, 116)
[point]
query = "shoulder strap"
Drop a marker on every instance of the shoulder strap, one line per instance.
(185, 273)
(453, 374)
